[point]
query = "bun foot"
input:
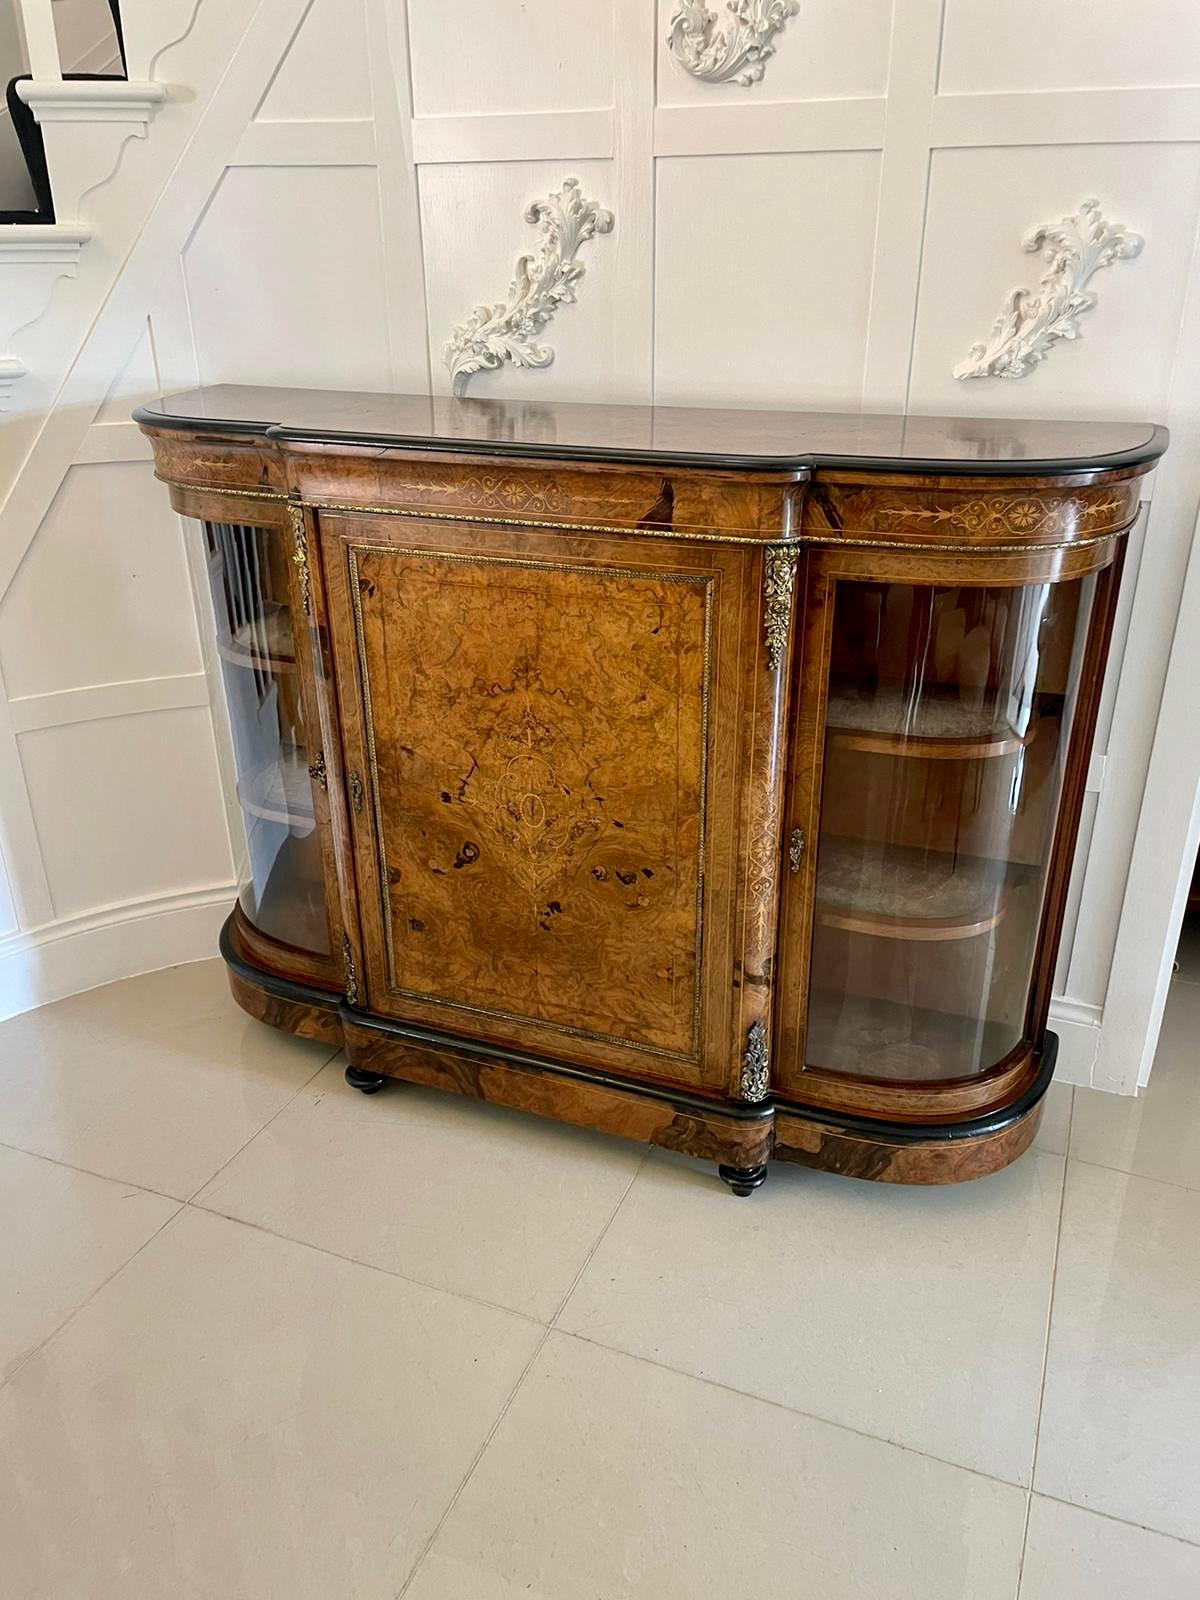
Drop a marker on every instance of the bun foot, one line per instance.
(742, 1180)
(372, 1082)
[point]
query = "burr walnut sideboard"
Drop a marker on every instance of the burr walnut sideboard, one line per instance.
(708, 777)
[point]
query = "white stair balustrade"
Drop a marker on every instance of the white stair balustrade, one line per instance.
(41, 39)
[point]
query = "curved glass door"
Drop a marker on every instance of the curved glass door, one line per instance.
(282, 889)
(947, 725)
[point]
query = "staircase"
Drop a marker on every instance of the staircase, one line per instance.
(24, 122)
(70, 127)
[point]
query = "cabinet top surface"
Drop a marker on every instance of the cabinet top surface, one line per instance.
(787, 441)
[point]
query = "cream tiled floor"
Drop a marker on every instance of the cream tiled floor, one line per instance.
(263, 1337)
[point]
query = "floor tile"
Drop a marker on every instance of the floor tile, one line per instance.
(1076, 1555)
(1156, 1134)
(612, 1478)
(144, 1006)
(64, 1233)
(237, 1416)
(1055, 1127)
(158, 1094)
(1121, 1410)
(918, 1315)
(450, 1191)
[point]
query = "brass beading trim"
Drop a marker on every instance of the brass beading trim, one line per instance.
(212, 488)
(825, 541)
(561, 527)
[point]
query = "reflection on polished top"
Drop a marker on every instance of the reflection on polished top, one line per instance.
(779, 441)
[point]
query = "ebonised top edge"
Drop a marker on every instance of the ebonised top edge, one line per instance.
(790, 442)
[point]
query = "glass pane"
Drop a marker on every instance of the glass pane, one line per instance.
(948, 721)
(283, 891)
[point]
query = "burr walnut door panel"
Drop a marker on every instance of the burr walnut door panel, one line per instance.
(542, 733)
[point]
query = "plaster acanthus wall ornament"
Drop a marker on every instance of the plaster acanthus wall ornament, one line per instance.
(737, 53)
(1033, 322)
(492, 335)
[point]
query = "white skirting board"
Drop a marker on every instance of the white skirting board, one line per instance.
(1077, 1025)
(79, 953)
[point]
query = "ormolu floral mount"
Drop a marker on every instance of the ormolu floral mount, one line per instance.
(492, 335)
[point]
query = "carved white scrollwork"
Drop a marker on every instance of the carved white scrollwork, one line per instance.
(1033, 322)
(33, 256)
(737, 53)
(542, 282)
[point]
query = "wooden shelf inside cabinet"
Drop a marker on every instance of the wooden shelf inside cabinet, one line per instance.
(280, 790)
(870, 1037)
(939, 726)
(264, 643)
(892, 892)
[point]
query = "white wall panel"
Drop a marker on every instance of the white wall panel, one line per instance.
(8, 912)
(763, 279)
(509, 55)
(982, 202)
(1068, 44)
(828, 51)
(127, 807)
(285, 279)
(473, 226)
(103, 595)
(136, 382)
(325, 74)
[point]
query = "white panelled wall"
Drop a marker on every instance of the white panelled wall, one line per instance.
(348, 179)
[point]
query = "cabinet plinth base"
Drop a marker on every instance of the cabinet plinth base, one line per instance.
(950, 1154)
(741, 1139)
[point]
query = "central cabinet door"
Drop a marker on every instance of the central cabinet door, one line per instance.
(531, 722)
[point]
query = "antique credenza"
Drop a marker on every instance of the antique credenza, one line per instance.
(709, 777)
